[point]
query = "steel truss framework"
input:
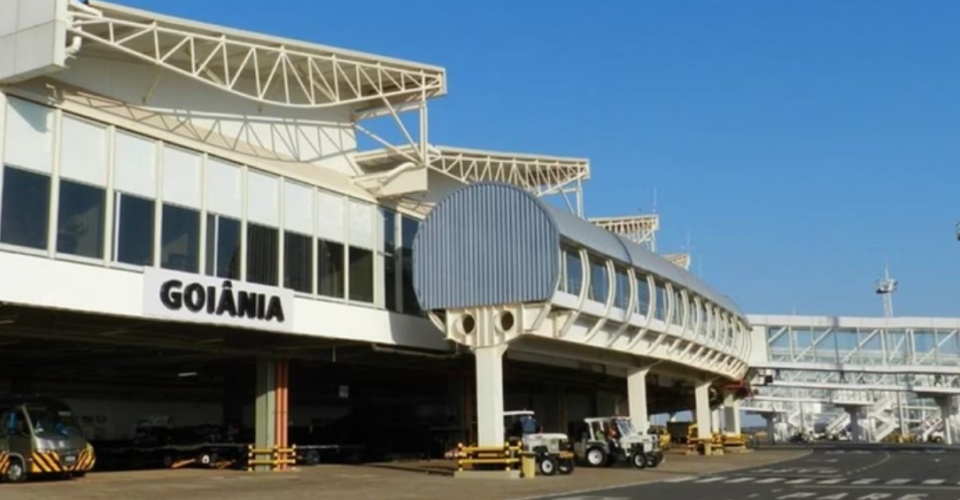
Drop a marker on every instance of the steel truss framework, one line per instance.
(539, 175)
(641, 229)
(269, 71)
(264, 69)
(837, 361)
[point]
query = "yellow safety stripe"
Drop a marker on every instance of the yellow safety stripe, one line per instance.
(85, 461)
(45, 463)
(4, 462)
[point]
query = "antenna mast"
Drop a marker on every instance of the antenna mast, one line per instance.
(885, 288)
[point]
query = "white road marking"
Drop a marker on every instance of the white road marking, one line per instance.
(711, 479)
(899, 481)
(680, 479)
(740, 480)
(934, 481)
(770, 480)
(870, 480)
(799, 481)
(830, 481)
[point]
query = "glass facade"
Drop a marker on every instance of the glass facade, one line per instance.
(643, 295)
(187, 211)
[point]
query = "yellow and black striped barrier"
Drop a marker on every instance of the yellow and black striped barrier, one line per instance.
(51, 462)
(279, 459)
(507, 456)
(4, 462)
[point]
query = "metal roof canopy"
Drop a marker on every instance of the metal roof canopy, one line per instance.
(267, 69)
(540, 175)
(536, 257)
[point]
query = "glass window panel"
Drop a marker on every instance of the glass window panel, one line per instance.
(298, 262)
(263, 254)
(660, 311)
(80, 219)
(223, 247)
(574, 272)
(134, 222)
(25, 209)
(408, 230)
(330, 268)
(361, 274)
(180, 239)
(622, 297)
(643, 295)
(598, 279)
(389, 259)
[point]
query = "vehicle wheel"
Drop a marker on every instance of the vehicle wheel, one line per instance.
(639, 460)
(654, 460)
(548, 466)
(596, 457)
(16, 471)
(566, 467)
(78, 475)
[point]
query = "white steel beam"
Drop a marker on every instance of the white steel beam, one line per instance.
(264, 69)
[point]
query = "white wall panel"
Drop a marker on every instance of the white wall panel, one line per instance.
(29, 135)
(330, 216)
(263, 198)
(84, 151)
(361, 225)
(181, 177)
(298, 207)
(81, 287)
(224, 188)
(135, 164)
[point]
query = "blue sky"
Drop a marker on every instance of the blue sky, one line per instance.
(798, 143)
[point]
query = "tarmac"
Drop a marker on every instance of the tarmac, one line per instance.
(429, 480)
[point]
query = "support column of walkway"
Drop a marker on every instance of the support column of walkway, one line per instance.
(861, 424)
(703, 412)
(489, 373)
(637, 398)
(271, 415)
(950, 415)
(731, 414)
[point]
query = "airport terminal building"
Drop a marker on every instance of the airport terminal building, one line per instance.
(189, 232)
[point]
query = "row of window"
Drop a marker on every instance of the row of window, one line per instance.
(696, 313)
(323, 244)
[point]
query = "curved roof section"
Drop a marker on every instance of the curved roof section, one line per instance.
(486, 244)
(627, 252)
(494, 243)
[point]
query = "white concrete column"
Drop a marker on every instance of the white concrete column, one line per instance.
(731, 415)
(950, 414)
(702, 398)
(637, 398)
(861, 424)
(715, 420)
(489, 373)
(771, 428)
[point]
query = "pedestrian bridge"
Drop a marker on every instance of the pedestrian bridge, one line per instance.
(495, 267)
(897, 374)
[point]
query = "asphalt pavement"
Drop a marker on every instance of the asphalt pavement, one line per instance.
(825, 474)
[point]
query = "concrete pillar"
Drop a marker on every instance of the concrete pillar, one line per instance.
(950, 414)
(715, 420)
(702, 413)
(771, 428)
(489, 374)
(861, 424)
(637, 398)
(731, 415)
(271, 420)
